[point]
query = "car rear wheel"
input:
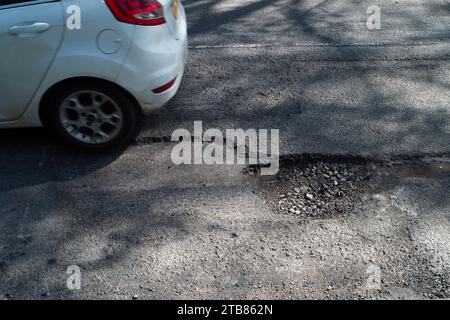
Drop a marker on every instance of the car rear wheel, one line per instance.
(95, 116)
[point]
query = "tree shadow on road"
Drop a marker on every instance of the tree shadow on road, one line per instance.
(324, 99)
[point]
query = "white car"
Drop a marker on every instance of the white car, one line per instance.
(89, 69)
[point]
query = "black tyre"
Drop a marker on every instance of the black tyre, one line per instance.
(92, 115)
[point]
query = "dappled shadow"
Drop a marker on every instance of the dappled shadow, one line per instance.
(325, 93)
(340, 89)
(104, 231)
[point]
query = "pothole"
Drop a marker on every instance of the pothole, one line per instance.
(315, 188)
(324, 186)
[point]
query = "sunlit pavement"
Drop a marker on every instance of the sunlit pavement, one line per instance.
(137, 225)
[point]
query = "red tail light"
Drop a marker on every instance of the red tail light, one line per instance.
(165, 87)
(141, 12)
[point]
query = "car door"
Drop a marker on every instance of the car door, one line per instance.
(30, 33)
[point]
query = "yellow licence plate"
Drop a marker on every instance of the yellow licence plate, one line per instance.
(176, 9)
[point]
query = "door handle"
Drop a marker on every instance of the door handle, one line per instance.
(35, 27)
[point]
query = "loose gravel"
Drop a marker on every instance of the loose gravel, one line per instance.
(318, 188)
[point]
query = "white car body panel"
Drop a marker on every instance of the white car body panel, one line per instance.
(26, 56)
(137, 58)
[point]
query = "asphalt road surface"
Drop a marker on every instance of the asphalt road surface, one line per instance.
(314, 70)
(138, 226)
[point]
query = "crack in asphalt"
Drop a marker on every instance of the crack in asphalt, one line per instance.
(310, 44)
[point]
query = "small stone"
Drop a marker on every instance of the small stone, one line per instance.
(309, 196)
(135, 297)
(335, 183)
(297, 190)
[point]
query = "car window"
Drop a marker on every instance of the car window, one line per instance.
(5, 2)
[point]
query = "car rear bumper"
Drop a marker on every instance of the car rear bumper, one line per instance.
(155, 58)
